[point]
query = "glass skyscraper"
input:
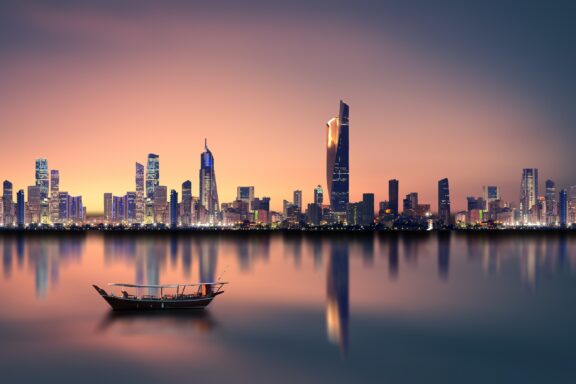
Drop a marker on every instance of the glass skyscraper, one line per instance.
(208, 189)
(444, 202)
(528, 193)
(393, 196)
(318, 195)
(152, 175)
(337, 160)
(551, 208)
(42, 177)
(139, 203)
(563, 207)
(7, 203)
(54, 200)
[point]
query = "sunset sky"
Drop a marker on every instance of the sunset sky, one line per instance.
(436, 89)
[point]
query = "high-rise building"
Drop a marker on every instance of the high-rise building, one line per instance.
(318, 195)
(76, 209)
(490, 193)
(572, 205)
(8, 203)
(393, 196)
(337, 156)
(563, 207)
(54, 199)
(368, 207)
(551, 206)
(444, 202)
(34, 204)
(152, 175)
(298, 200)
(410, 204)
(63, 207)
(108, 207)
(186, 206)
(131, 210)
(528, 193)
(20, 208)
(42, 177)
(245, 194)
(173, 208)
(139, 202)
(208, 188)
(160, 204)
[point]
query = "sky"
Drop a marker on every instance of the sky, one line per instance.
(472, 91)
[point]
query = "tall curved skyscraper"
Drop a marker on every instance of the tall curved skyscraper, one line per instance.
(337, 160)
(208, 190)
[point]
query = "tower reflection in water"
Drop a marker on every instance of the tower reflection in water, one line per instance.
(337, 292)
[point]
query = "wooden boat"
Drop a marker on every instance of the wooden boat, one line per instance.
(186, 296)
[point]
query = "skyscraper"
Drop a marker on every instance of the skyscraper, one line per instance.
(393, 196)
(208, 189)
(490, 193)
(131, 212)
(563, 207)
(139, 202)
(7, 203)
(443, 202)
(108, 208)
(318, 195)
(572, 205)
(368, 206)
(20, 208)
(528, 193)
(337, 159)
(54, 190)
(173, 208)
(160, 204)
(186, 205)
(152, 175)
(551, 206)
(63, 207)
(42, 177)
(245, 194)
(34, 204)
(298, 200)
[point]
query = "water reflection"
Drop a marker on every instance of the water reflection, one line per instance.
(337, 295)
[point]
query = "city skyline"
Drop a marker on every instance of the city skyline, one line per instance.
(124, 87)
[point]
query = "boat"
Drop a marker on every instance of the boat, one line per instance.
(186, 296)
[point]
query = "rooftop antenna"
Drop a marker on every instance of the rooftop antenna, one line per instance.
(205, 143)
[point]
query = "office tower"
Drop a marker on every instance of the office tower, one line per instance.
(131, 211)
(368, 208)
(528, 193)
(186, 206)
(8, 203)
(393, 196)
(20, 208)
(490, 193)
(410, 203)
(54, 190)
(1, 211)
(563, 207)
(173, 208)
(63, 207)
(318, 195)
(298, 200)
(208, 189)
(42, 177)
(355, 213)
(160, 202)
(139, 202)
(551, 206)
(572, 205)
(76, 209)
(108, 207)
(152, 175)
(34, 204)
(337, 159)
(444, 202)
(245, 194)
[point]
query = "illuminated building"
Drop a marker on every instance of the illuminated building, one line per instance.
(475, 209)
(20, 209)
(131, 207)
(563, 207)
(139, 193)
(54, 200)
(34, 204)
(355, 213)
(298, 200)
(337, 159)
(410, 204)
(551, 206)
(42, 177)
(63, 207)
(245, 194)
(490, 193)
(7, 203)
(108, 210)
(314, 213)
(186, 206)
(528, 193)
(76, 209)
(152, 175)
(160, 203)
(443, 202)
(208, 188)
(173, 208)
(318, 195)
(368, 209)
(393, 196)
(572, 205)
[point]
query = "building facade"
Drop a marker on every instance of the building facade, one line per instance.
(337, 158)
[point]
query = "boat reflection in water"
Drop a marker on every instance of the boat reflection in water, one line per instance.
(337, 292)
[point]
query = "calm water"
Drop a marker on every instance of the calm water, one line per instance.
(300, 308)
